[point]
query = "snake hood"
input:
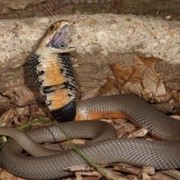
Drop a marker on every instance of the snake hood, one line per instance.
(53, 71)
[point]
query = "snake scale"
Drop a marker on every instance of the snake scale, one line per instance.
(54, 76)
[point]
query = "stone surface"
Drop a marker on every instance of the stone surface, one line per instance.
(20, 4)
(100, 40)
(100, 33)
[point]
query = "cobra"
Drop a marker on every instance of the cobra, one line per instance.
(53, 73)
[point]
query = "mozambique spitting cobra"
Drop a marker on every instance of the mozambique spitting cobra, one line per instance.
(53, 74)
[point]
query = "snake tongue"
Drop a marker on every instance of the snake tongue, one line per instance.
(59, 38)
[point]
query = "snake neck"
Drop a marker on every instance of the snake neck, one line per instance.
(54, 75)
(55, 78)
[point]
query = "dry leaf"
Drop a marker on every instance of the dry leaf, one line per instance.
(168, 108)
(172, 173)
(148, 170)
(109, 87)
(4, 175)
(140, 60)
(135, 88)
(20, 115)
(20, 95)
(127, 168)
(125, 129)
(136, 76)
(121, 73)
(141, 79)
(138, 133)
(152, 81)
(80, 175)
(176, 96)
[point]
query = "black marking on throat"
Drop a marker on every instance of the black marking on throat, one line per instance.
(33, 63)
(66, 113)
(68, 73)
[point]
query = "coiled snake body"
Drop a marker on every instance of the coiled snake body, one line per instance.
(105, 147)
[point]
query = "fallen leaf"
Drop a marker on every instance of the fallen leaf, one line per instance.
(4, 175)
(141, 79)
(20, 95)
(153, 82)
(109, 87)
(130, 87)
(138, 133)
(125, 129)
(121, 73)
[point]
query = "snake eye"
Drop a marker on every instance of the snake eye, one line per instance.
(52, 27)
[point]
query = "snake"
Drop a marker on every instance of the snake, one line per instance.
(24, 156)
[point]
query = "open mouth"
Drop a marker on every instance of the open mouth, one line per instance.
(58, 40)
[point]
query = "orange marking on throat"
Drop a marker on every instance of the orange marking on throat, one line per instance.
(58, 99)
(53, 76)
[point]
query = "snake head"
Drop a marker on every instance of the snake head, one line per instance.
(55, 37)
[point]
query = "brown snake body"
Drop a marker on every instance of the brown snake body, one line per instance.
(104, 147)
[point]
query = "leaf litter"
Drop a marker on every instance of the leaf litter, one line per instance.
(141, 79)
